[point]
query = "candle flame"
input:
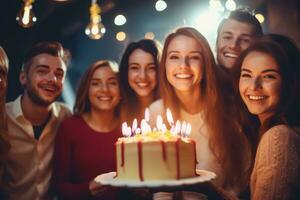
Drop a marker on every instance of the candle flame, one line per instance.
(170, 117)
(177, 127)
(188, 129)
(183, 129)
(159, 123)
(124, 128)
(147, 115)
(134, 125)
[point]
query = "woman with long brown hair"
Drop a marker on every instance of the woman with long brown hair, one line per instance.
(84, 145)
(267, 80)
(139, 78)
(191, 89)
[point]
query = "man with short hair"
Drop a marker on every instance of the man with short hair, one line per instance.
(234, 35)
(33, 119)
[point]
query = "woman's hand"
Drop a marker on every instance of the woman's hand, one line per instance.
(97, 189)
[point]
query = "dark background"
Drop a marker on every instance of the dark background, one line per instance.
(65, 22)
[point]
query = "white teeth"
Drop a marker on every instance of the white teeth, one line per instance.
(183, 76)
(142, 84)
(256, 97)
(232, 55)
(105, 98)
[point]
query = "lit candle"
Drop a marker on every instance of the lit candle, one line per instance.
(170, 117)
(134, 125)
(177, 127)
(144, 126)
(147, 115)
(183, 129)
(159, 123)
(188, 129)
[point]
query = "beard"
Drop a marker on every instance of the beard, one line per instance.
(36, 98)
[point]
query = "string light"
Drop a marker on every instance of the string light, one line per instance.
(120, 20)
(160, 5)
(260, 17)
(95, 29)
(230, 5)
(25, 16)
(121, 36)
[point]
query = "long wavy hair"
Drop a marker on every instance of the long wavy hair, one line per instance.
(131, 106)
(286, 54)
(82, 103)
(4, 145)
(226, 141)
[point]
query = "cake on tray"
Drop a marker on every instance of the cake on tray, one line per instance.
(155, 155)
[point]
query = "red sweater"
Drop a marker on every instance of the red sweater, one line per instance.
(81, 154)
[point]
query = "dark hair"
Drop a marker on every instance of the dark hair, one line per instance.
(51, 48)
(226, 141)
(243, 15)
(130, 102)
(82, 103)
(286, 54)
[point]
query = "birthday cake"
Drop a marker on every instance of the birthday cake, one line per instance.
(155, 155)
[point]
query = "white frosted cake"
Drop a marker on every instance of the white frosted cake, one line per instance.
(155, 156)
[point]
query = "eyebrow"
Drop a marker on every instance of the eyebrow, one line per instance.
(189, 52)
(231, 33)
(264, 71)
(99, 79)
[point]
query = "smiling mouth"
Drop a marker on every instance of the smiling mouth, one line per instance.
(51, 89)
(256, 97)
(183, 76)
(143, 84)
(231, 55)
(104, 98)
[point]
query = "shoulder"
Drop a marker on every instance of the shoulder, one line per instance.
(280, 132)
(62, 110)
(156, 105)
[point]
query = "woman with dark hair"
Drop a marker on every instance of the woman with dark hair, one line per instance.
(268, 80)
(190, 88)
(138, 78)
(84, 145)
(4, 145)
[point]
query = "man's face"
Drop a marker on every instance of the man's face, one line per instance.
(44, 80)
(233, 38)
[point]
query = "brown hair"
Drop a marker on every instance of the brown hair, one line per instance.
(226, 141)
(131, 106)
(52, 48)
(286, 54)
(82, 104)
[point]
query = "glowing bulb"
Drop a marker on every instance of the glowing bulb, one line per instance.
(121, 36)
(260, 17)
(160, 5)
(230, 5)
(26, 17)
(120, 20)
(149, 35)
(95, 30)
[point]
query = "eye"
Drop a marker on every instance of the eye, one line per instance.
(94, 83)
(113, 82)
(226, 37)
(151, 68)
(245, 75)
(133, 67)
(59, 75)
(269, 76)
(195, 57)
(173, 57)
(42, 71)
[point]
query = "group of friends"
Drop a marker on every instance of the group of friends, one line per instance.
(243, 108)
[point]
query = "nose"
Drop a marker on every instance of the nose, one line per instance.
(52, 77)
(185, 62)
(255, 83)
(142, 74)
(234, 43)
(104, 87)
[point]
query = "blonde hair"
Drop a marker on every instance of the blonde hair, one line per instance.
(226, 141)
(4, 145)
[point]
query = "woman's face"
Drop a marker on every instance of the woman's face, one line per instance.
(142, 73)
(260, 84)
(104, 91)
(3, 82)
(184, 64)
